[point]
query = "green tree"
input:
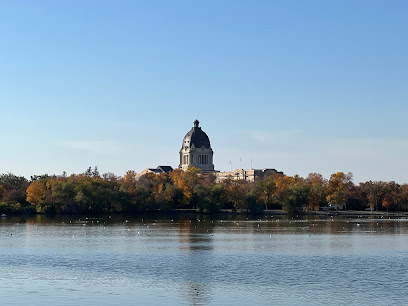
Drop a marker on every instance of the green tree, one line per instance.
(298, 195)
(211, 198)
(236, 193)
(265, 189)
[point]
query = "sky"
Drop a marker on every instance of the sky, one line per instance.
(299, 86)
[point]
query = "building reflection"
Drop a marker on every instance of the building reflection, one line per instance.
(196, 293)
(196, 240)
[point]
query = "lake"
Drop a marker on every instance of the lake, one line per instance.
(204, 260)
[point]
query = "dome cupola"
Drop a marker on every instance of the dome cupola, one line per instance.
(196, 137)
(196, 150)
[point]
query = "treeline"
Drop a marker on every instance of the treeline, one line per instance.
(93, 194)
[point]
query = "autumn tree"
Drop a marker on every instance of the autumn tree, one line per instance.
(281, 193)
(387, 202)
(129, 180)
(36, 192)
(14, 188)
(375, 193)
(186, 181)
(403, 197)
(338, 188)
(318, 190)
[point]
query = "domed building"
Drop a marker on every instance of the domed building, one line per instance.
(196, 150)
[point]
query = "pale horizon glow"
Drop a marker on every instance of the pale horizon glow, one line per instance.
(298, 86)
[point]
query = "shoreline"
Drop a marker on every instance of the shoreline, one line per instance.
(230, 212)
(277, 212)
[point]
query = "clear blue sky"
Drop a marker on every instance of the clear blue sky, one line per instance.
(300, 86)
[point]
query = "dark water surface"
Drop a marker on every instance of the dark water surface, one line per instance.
(192, 260)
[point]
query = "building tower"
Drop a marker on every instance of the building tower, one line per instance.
(196, 150)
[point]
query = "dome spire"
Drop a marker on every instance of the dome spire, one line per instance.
(196, 123)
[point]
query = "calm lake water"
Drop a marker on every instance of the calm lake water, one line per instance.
(201, 260)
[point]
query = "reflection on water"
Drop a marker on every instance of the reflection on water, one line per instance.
(195, 236)
(203, 260)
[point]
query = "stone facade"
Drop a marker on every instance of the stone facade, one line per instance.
(196, 150)
(249, 175)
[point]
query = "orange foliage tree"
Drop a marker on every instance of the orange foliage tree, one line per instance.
(36, 192)
(186, 181)
(338, 188)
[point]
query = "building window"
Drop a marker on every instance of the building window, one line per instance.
(185, 159)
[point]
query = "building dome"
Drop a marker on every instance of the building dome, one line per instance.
(196, 150)
(196, 137)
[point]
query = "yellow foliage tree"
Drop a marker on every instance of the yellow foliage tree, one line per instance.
(129, 181)
(186, 181)
(36, 192)
(338, 188)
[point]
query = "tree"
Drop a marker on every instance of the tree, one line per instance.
(403, 197)
(297, 197)
(36, 192)
(236, 193)
(338, 188)
(2, 190)
(386, 202)
(318, 190)
(375, 193)
(186, 181)
(211, 198)
(88, 172)
(10, 181)
(172, 196)
(391, 196)
(266, 189)
(14, 188)
(129, 180)
(282, 193)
